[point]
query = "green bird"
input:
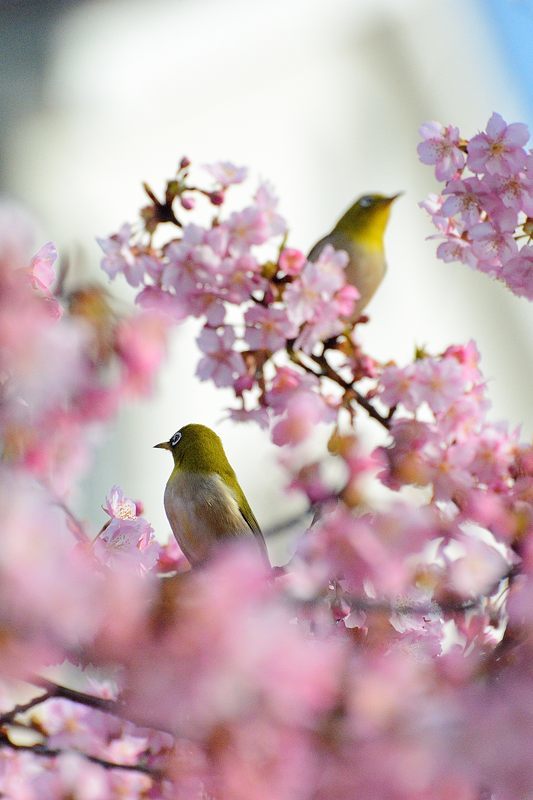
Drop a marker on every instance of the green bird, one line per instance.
(204, 502)
(360, 231)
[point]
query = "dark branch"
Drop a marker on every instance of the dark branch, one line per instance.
(48, 752)
(56, 690)
(21, 708)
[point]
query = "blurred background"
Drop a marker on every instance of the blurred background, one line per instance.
(322, 98)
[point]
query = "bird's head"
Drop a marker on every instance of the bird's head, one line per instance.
(367, 219)
(196, 448)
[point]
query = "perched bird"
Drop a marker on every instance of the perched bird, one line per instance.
(360, 231)
(204, 502)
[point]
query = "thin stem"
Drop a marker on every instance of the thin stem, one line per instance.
(56, 690)
(349, 389)
(49, 752)
(110, 706)
(21, 708)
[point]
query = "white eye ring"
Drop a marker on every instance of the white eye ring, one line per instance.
(175, 439)
(366, 201)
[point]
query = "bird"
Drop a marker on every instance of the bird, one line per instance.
(204, 502)
(360, 232)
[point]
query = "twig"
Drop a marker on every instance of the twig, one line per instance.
(21, 708)
(49, 752)
(91, 700)
(349, 389)
(115, 707)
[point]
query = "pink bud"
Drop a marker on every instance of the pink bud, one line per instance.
(188, 202)
(185, 162)
(217, 198)
(291, 261)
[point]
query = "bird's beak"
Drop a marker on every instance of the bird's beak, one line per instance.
(390, 200)
(164, 446)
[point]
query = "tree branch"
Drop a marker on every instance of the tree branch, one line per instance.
(8, 717)
(48, 752)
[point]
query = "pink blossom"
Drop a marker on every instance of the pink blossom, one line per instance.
(154, 299)
(500, 150)
(307, 299)
(478, 569)
(208, 304)
(240, 277)
(42, 267)
(493, 243)
(439, 383)
(441, 147)
(285, 384)
(455, 248)
(291, 261)
(450, 473)
(303, 411)
(226, 173)
(517, 272)
(118, 506)
(221, 363)
(193, 259)
(119, 256)
(468, 357)
(267, 202)
(247, 228)
(464, 198)
(127, 541)
(141, 346)
(494, 456)
(325, 324)
(171, 558)
(433, 204)
(515, 190)
(345, 300)
(268, 328)
(398, 386)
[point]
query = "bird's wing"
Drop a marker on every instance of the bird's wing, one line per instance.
(337, 239)
(248, 515)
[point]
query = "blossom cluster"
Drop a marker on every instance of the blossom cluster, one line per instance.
(239, 260)
(485, 212)
(390, 658)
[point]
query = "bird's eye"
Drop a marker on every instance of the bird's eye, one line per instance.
(175, 439)
(366, 201)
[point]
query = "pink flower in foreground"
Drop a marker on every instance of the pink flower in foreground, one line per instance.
(500, 150)
(141, 346)
(152, 298)
(440, 147)
(127, 540)
(221, 363)
(268, 328)
(42, 267)
(118, 506)
(478, 570)
(226, 173)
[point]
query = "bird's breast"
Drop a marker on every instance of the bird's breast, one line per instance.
(201, 509)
